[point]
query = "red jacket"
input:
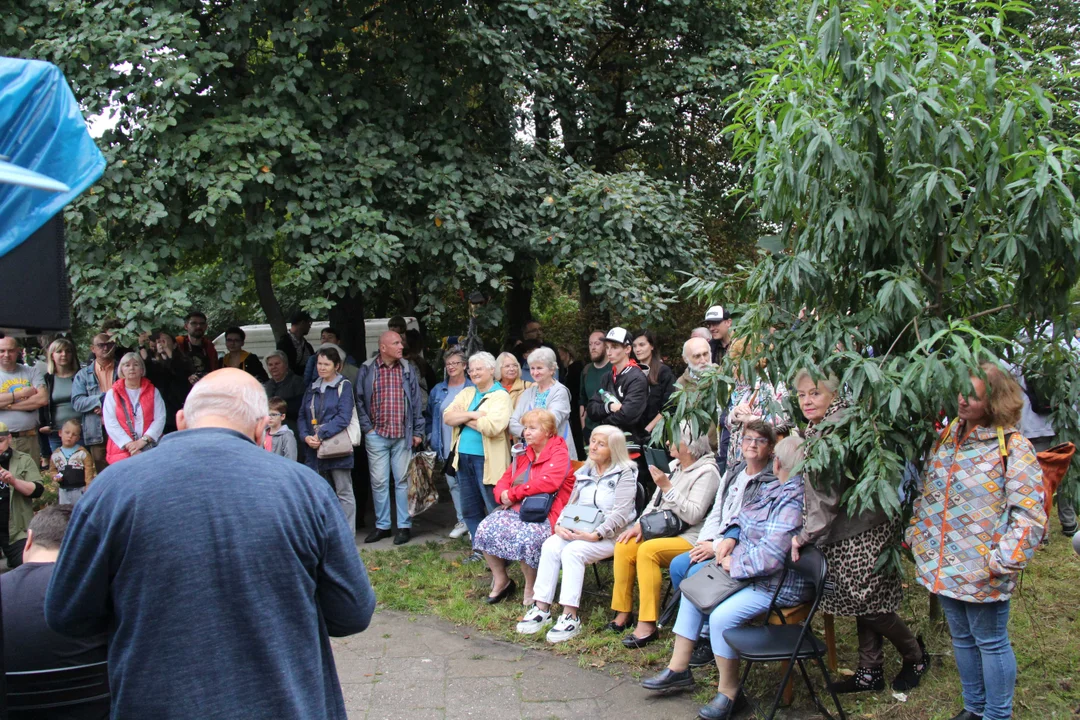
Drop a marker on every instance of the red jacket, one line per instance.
(551, 473)
(113, 453)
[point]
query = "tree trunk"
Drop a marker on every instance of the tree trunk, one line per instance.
(347, 317)
(518, 305)
(595, 317)
(264, 288)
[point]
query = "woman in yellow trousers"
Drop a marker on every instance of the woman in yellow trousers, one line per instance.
(687, 492)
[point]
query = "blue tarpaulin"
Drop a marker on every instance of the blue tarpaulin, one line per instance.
(41, 129)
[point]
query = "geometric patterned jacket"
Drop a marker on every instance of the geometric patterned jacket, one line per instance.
(971, 530)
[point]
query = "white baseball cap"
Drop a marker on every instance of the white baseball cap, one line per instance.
(717, 313)
(618, 335)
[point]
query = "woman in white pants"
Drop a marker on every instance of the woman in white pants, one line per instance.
(607, 482)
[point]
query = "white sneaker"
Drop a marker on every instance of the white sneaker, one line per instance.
(458, 531)
(566, 628)
(534, 620)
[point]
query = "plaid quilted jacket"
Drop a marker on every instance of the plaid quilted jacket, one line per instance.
(974, 526)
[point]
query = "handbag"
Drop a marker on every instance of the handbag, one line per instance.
(660, 523)
(710, 586)
(583, 518)
(536, 508)
(422, 491)
(451, 457)
(337, 445)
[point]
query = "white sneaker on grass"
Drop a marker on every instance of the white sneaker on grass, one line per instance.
(567, 627)
(534, 620)
(458, 531)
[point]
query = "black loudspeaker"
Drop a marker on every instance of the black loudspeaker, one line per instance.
(34, 279)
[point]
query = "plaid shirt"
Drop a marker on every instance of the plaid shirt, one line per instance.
(388, 400)
(770, 516)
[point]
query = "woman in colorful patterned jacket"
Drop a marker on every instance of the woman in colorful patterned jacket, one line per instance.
(983, 501)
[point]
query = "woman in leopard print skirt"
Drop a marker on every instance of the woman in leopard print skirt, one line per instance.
(852, 545)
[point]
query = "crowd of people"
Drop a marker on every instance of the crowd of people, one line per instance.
(548, 464)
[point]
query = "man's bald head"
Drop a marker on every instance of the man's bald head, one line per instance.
(697, 353)
(228, 398)
(391, 347)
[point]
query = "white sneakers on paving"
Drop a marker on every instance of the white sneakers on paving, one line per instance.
(567, 627)
(534, 620)
(458, 531)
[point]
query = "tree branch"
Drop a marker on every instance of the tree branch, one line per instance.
(991, 311)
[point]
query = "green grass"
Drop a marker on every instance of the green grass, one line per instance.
(1044, 627)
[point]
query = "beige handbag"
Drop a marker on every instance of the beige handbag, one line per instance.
(335, 446)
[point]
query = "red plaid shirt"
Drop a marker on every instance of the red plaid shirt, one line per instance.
(388, 400)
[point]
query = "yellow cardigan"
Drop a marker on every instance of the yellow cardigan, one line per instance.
(492, 431)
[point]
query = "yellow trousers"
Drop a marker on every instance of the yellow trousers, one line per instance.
(649, 558)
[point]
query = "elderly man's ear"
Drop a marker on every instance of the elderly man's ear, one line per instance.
(181, 422)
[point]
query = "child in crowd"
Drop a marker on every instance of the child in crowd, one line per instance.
(282, 440)
(71, 465)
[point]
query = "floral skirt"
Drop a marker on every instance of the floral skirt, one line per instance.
(858, 589)
(505, 535)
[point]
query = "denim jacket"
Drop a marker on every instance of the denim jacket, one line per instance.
(434, 410)
(87, 396)
(333, 405)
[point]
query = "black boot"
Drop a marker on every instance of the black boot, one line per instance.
(965, 715)
(864, 680)
(912, 673)
(703, 654)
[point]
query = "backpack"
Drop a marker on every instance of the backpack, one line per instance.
(1037, 388)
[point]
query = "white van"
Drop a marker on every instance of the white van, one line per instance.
(260, 338)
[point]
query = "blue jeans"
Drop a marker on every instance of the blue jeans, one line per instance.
(984, 655)
(477, 499)
(680, 569)
(395, 453)
(455, 494)
(736, 610)
(54, 442)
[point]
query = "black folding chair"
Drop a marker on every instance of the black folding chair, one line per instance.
(787, 643)
(42, 693)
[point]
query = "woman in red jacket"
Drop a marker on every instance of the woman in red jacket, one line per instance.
(544, 468)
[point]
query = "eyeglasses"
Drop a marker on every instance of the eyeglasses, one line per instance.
(755, 440)
(105, 345)
(455, 364)
(276, 414)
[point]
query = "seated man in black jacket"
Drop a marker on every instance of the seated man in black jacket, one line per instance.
(29, 644)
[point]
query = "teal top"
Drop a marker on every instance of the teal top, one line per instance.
(471, 442)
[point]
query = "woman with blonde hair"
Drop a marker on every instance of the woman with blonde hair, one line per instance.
(599, 509)
(61, 365)
(508, 375)
(974, 528)
(852, 544)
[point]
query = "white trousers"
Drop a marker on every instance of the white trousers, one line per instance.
(571, 558)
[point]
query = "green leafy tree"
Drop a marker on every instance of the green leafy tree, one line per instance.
(907, 159)
(354, 152)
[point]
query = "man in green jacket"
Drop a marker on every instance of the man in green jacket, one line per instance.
(20, 483)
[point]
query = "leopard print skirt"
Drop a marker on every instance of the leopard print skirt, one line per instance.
(858, 590)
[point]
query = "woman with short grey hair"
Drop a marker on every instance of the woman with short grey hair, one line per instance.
(546, 393)
(133, 412)
(439, 434)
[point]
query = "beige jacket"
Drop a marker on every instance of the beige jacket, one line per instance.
(691, 494)
(492, 428)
